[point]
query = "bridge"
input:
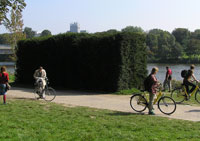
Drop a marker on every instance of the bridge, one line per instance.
(5, 49)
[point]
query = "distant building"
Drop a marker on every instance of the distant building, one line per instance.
(75, 27)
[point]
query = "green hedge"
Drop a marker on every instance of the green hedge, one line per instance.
(103, 61)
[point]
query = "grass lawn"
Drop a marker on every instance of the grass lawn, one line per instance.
(37, 120)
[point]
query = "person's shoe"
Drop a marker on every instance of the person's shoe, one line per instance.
(4, 103)
(151, 113)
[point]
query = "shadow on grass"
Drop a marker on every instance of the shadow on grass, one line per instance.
(124, 114)
(24, 98)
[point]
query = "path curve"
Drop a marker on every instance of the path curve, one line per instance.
(105, 101)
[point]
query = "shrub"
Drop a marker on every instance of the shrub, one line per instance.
(103, 61)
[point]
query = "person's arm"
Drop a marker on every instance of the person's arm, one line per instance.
(154, 79)
(194, 78)
(44, 74)
(35, 74)
(7, 77)
(167, 76)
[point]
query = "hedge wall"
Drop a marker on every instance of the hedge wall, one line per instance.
(107, 62)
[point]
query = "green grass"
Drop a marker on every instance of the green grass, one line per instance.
(128, 92)
(11, 78)
(35, 120)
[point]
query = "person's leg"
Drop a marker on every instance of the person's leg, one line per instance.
(170, 85)
(164, 84)
(43, 84)
(193, 87)
(186, 83)
(4, 99)
(150, 106)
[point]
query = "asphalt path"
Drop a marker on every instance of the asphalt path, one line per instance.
(104, 101)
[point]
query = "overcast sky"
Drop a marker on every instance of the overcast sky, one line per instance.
(102, 15)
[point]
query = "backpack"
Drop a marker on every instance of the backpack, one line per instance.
(184, 73)
(148, 82)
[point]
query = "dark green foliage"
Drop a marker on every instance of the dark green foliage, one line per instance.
(46, 33)
(102, 61)
(29, 32)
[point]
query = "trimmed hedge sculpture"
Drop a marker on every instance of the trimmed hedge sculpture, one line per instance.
(102, 61)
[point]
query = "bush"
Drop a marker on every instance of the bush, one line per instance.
(103, 61)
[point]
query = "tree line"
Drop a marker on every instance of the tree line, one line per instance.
(180, 46)
(28, 33)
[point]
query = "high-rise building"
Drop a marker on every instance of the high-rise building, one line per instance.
(75, 27)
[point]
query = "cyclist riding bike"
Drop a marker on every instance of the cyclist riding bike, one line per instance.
(190, 77)
(40, 79)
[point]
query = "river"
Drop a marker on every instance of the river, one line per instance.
(176, 70)
(9, 65)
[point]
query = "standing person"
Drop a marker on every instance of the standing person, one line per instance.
(190, 77)
(152, 90)
(168, 78)
(40, 75)
(3, 82)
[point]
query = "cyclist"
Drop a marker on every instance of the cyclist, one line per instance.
(152, 90)
(190, 77)
(168, 78)
(40, 76)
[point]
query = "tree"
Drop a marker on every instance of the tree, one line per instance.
(133, 29)
(193, 47)
(8, 5)
(29, 32)
(177, 51)
(162, 45)
(196, 34)
(45, 33)
(15, 26)
(112, 31)
(182, 36)
(5, 38)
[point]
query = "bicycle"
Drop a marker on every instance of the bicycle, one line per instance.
(47, 93)
(180, 94)
(166, 104)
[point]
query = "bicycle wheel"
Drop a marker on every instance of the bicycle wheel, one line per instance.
(49, 94)
(167, 105)
(197, 96)
(178, 95)
(138, 103)
(37, 93)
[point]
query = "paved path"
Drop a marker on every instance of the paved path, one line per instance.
(105, 101)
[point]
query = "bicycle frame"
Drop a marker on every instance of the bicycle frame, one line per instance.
(193, 92)
(156, 99)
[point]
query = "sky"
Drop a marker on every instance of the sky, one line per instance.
(102, 15)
